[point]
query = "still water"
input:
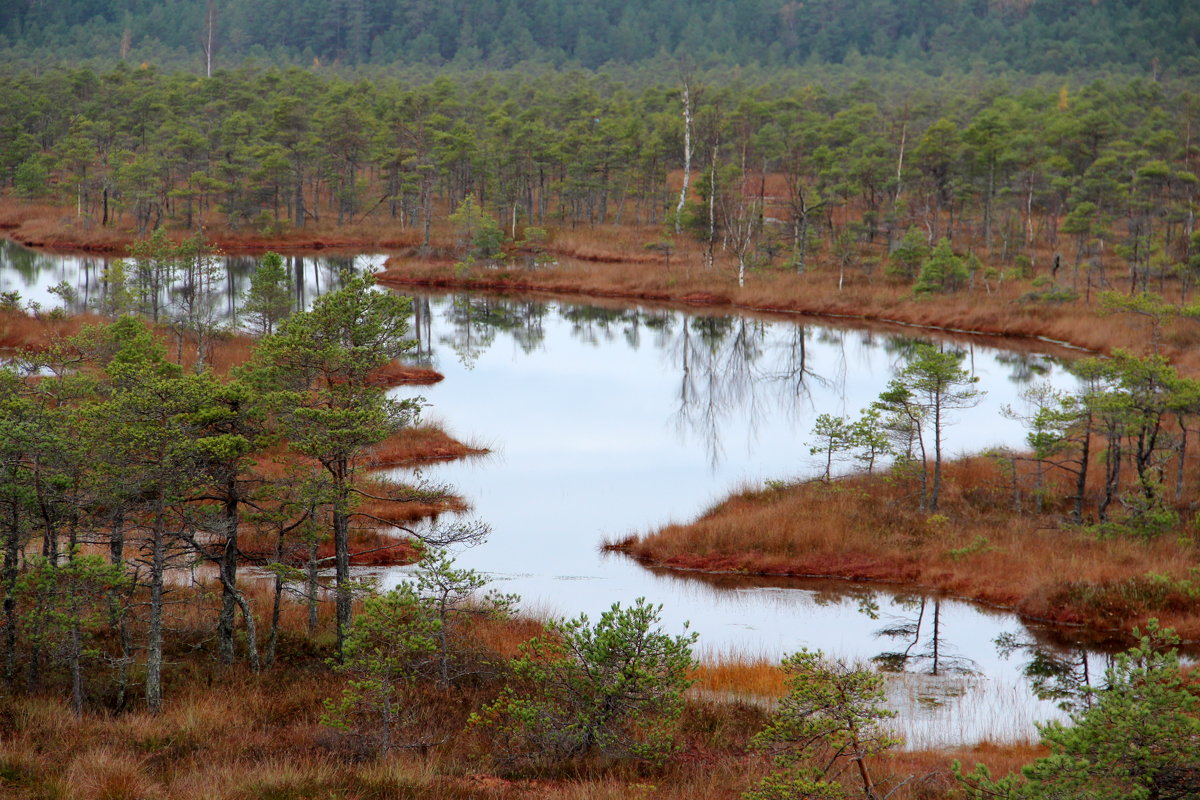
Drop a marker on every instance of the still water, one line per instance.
(607, 421)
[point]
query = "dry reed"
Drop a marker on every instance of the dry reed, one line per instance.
(870, 528)
(418, 444)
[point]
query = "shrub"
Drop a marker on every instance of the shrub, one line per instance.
(613, 690)
(942, 271)
(1140, 739)
(831, 715)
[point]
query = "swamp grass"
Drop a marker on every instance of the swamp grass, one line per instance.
(979, 546)
(226, 733)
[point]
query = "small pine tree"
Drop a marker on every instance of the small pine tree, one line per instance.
(1139, 740)
(835, 435)
(269, 298)
(831, 714)
(115, 298)
(869, 438)
(478, 234)
(906, 258)
(613, 690)
(381, 657)
(942, 271)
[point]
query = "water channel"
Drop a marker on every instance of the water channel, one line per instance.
(610, 420)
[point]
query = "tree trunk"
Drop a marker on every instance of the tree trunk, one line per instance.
(341, 552)
(276, 605)
(1112, 477)
(228, 571)
(1081, 476)
(1183, 433)
(154, 638)
(116, 613)
(687, 152)
(709, 255)
(311, 587)
(937, 457)
(248, 620)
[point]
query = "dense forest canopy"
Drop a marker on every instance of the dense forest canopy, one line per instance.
(1108, 162)
(1027, 35)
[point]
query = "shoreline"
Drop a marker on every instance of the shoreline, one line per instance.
(1110, 636)
(604, 264)
(864, 529)
(708, 291)
(718, 302)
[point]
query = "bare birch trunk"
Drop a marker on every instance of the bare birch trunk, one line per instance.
(687, 151)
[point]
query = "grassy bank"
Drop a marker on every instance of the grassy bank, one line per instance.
(1015, 304)
(227, 733)
(1027, 300)
(980, 547)
(58, 228)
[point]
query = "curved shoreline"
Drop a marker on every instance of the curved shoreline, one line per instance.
(824, 308)
(712, 301)
(1117, 637)
(689, 295)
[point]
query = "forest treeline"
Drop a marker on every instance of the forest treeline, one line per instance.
(1091, 175)
(1028, 35)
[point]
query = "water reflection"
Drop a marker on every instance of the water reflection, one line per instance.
(33, 275)
(609, 420)
(924, 639)
(722, 367)
(1060, 674)
(474, 323)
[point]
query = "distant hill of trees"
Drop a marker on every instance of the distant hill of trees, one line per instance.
(1024, 35)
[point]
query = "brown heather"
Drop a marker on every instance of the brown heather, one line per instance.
(868, 528)
(228, 734)
(57, 228)
(20, 331)
(1004, 311)
(397, 374)
(419, 444)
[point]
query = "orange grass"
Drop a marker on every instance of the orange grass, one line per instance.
(56, 227)
(19, 331)
(369, 547)
(739, 675)
(402, 504)
(228, 351)
(416, 445)
(226, 733)
(607, 261)
(868, 528)
(395, 373)
(879, 300)
(613, 261)
(371, 540)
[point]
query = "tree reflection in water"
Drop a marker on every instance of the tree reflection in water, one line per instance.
(474, 321)
(922, 633)
(1063, 675)
(727, 366)
(717, 358)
